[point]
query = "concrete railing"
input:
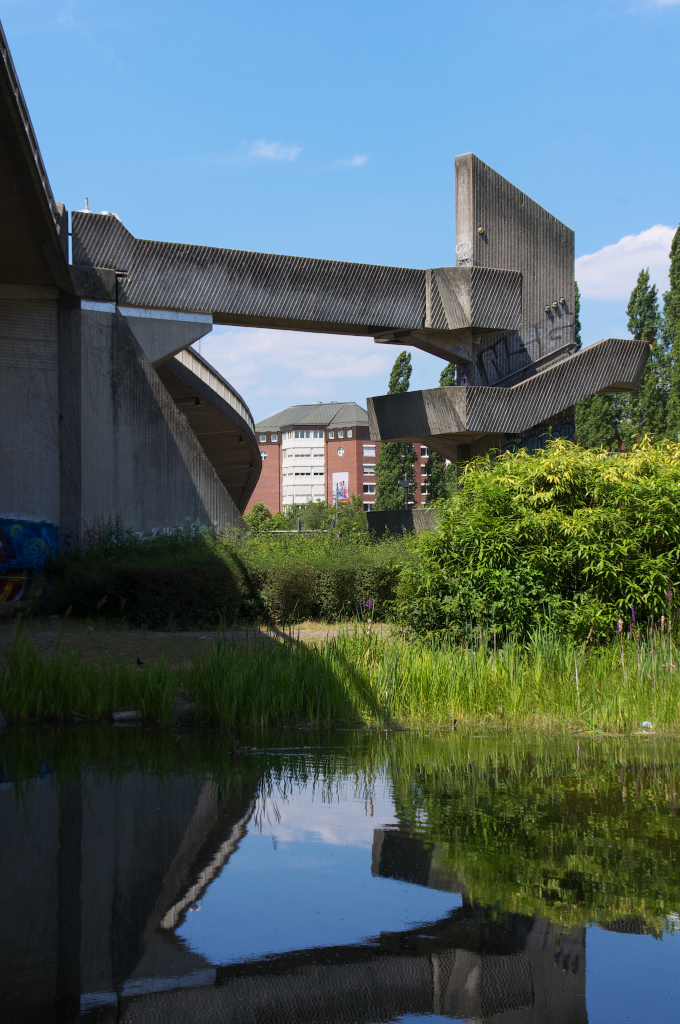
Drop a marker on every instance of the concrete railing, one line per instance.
(198, 365)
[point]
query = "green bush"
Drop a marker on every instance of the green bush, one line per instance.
(301, 578)
(567, 539)
(185, 579)
(198, 578)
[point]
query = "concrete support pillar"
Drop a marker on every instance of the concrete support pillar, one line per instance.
(126, 449)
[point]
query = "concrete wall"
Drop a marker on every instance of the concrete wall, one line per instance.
(126, 447)
(518, 235)
(29, 409)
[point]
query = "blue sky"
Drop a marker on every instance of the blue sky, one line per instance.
(330, 129)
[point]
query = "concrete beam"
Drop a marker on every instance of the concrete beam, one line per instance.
(163, 333)
(445, 418)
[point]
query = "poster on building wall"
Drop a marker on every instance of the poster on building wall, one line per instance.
(341, 486)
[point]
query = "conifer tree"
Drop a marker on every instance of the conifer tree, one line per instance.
(442, 478)
(448, 377)
(644, 411)
(395, 459)
(671, 338)
(595, 417)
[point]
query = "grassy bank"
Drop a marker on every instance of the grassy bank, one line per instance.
(362, 677)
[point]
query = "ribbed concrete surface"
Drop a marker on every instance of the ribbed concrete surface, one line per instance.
(518, 235)
(248, 287)
(461, 414)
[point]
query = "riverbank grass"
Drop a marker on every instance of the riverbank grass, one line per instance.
(361, 677)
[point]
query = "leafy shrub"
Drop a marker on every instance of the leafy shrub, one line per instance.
(570, 539)
(305, 578)
(197, 578)
(183, 579)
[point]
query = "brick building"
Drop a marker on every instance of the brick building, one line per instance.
(310, 452)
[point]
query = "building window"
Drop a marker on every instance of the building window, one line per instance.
(368, 506)
(369, 488)
(349, 433)
(331, 435)
(424, 453)
(424, 488)
(263, 455)
(318, 433)
(341, 451)
(341, 433)
(369, 451)
(423, 470)
(303, 433)
(263, 438)
(275, 438)
(369, 470)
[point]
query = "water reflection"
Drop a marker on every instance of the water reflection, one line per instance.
(355, 877)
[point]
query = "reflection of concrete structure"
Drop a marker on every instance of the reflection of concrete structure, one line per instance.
(539, 975)
(98, 874)
(95, 867)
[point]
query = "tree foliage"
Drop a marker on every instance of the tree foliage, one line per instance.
(671, 338)
(619, 421)
(442, 478)
(396, 461)
(564, 538)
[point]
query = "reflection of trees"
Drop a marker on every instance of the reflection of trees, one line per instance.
(575, 831)
(537, 835)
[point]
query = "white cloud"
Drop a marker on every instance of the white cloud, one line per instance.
(272, 150)
(273, 369)
(610, 273)
(356, 161)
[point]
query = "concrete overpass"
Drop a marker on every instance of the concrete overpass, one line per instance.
(106, 411)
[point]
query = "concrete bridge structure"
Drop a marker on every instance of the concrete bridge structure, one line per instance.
(106, 411)
(100, 871)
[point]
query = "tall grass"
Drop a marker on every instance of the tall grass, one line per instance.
(366, 677)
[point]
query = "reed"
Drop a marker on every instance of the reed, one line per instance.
(362, 677)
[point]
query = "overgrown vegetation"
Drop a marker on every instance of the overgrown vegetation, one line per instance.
(580, 543)
(363, 677)
(197, 578)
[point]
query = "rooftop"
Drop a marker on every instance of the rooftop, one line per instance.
(317, 414)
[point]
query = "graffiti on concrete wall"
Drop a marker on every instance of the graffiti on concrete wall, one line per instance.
(464, 253)
(24, 545)
(540, 437)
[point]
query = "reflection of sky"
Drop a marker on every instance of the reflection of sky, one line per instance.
(305, 880)
(632, 978)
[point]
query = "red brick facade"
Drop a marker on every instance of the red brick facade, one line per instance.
(269, 488)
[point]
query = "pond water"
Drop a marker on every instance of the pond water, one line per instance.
(337, 876)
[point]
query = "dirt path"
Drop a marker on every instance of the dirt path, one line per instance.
(103, 643)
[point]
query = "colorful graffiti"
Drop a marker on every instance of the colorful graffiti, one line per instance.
(12, 588)
(25, 544)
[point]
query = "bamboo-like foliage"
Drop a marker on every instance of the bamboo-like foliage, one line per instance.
(567, 539)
